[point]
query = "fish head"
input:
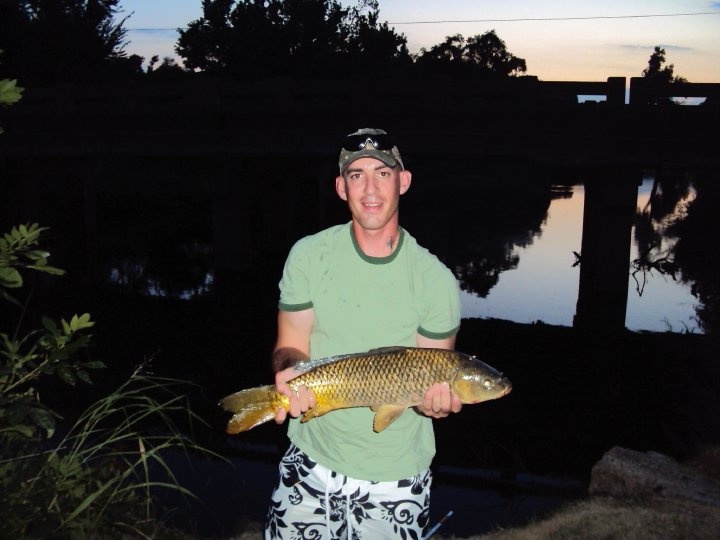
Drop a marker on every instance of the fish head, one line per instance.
(475, 381)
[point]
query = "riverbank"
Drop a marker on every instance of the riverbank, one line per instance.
(503, 464)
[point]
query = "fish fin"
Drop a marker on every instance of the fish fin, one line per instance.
(386, 415)
(252, 407)
(382, 350)
(317, 410)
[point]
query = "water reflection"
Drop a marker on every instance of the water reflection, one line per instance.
(543, 287)
(658, 298)
(509, 232)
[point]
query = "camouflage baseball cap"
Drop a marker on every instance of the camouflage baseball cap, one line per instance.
(369, 142)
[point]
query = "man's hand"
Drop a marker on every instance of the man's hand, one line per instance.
(439, 401)
(300, 401)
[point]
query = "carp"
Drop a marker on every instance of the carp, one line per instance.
(388, 380)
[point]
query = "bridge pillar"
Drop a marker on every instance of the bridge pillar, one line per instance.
(610, 202)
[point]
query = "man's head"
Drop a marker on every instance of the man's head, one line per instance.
(372, 179)
(369, 142)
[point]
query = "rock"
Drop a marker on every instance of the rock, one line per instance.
(628, 473)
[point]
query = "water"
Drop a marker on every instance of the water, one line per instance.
(544, 286)
(499, 226)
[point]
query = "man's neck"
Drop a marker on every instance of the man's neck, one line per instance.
(380, 243)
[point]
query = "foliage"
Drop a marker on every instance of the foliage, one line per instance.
(167, 70)
(39, 353)
(64, 40)
(10, 92)
(659, 74)
(697, 252)
(484, 55)
(99, 479)
(306, 38)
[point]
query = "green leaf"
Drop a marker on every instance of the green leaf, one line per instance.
(83, 321)
(66, 327)
(26, 431)
(17, 412)
(50, 326)
(66, 375)
(43, 419)
(83, 376)
(5, 296)
(9, 277)
(94, 364)
(49, 270)
(10, 92)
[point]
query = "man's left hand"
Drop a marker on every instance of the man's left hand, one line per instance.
(439, 401)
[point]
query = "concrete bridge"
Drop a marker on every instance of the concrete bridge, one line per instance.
(517, 117)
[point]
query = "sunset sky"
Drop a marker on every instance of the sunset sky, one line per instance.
(581, 40)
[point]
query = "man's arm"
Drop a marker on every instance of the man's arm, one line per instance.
(292, 346)
(439, 401)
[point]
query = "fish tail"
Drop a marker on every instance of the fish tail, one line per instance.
(252, 407)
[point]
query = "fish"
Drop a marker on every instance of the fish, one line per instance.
(388, 380)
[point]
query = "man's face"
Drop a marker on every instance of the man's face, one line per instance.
(372, 191)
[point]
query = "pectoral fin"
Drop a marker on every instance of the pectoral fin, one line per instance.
(386, 415)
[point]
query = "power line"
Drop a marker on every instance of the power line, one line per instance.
(596, 17)
(519, 19)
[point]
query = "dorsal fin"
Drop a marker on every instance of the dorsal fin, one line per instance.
(385, 350)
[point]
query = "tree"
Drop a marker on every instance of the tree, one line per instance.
(484, 55)
(64, 40)
(657, 74)
(252, 39)
(490, 55)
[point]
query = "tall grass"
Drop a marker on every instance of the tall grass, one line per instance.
(99, 481)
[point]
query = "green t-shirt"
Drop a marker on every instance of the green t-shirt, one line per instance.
(361, 303)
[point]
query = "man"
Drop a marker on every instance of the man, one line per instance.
(351, 288)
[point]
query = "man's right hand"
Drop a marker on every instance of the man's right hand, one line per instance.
(301, 400)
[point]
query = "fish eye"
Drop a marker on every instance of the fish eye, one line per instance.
(488, 384)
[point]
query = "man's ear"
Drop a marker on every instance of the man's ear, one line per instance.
(340, 187)
(405, 181)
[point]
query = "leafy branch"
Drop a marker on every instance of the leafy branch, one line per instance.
(41, 352)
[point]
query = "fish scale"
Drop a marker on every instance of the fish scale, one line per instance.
(380, 378)
(388, 380)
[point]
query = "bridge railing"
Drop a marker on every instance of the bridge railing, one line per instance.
(644, 91)
(428, 96)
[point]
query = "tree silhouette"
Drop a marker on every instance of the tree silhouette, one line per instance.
(253, 39)
(64, 40)
(484, 55)
(658, 74)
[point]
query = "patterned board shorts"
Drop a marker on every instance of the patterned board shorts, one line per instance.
(313, 502)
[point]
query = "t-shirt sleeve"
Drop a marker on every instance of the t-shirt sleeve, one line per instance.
(295, 284)
(440, 303)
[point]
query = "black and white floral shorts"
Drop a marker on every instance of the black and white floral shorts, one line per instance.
(313, 502)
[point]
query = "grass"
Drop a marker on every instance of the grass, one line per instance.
(605, 518)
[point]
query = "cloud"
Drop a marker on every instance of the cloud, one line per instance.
(635, 47)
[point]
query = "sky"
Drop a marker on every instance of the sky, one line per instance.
(581, 40)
